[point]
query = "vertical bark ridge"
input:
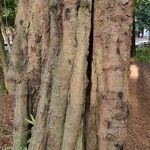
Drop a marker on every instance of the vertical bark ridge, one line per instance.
(19, 66)
(20, 125)
(39, 134)
(114, 28)
(40, 90)
(37, 47)
(76, 104)
(32, 48)
(63, 72)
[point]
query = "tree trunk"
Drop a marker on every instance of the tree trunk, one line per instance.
(70, 63)
(3, 57)
(3, 53)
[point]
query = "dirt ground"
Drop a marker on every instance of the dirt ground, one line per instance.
(6, 121)
(6, 117)
(139, 105)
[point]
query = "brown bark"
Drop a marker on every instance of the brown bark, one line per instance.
(70, 62)
(18, 81)
(112, 32)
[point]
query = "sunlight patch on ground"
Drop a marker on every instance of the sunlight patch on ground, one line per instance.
(134, 75)
(134, 72)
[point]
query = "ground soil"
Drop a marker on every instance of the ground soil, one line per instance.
(139, 106)
(6, 121)
(6, 116)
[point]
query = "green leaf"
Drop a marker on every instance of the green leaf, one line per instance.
(32, 118)
(29, 121)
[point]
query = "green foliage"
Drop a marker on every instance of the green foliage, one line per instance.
(9, 11)
(31, 120)
(3, 88)
(142, 14)
(21, 148)
(143, 54)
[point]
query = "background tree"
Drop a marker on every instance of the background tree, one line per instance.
(70, 63)
(3, 53)
(7, 18)
(142, 14)
(9, 12)
(141, 21)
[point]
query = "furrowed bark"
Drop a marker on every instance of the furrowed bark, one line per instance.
(62, 73)
(18, 65)
(71, 58)
(39, 137)
(76, 104)
(20, 125)
(38, 45)
(35, 34)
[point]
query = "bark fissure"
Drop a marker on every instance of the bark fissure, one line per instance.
(40, 130)
(72, 63)
(89, 81)
(75, 109)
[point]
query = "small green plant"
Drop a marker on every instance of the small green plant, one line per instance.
(18, 146)
(22, 148)
(31, 121)
(143, 54)
(3, 88)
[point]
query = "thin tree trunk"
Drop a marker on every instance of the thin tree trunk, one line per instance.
(18, 76)
(3, 57)
(3, 53)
